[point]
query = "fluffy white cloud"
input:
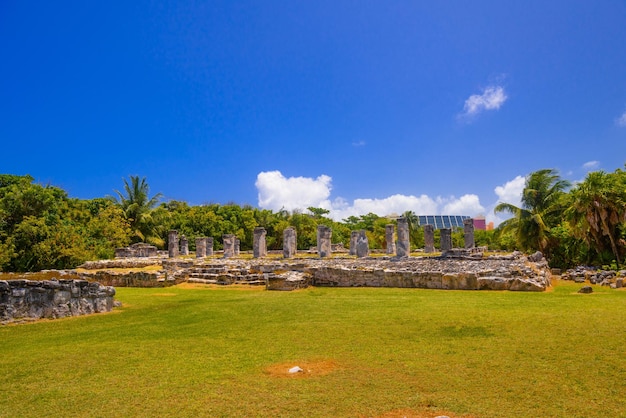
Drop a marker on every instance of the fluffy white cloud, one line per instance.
(492, 98)
(591, 165)
(621, 121)
(511, 191)
(276, 192)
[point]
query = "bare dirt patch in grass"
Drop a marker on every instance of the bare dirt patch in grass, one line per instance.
(309, 369)
(413, 413)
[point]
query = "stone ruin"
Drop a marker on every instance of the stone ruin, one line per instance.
(403, 248)
(324, 234)
(34, 299)
(259, 245)
(390, 238)
(229, 245)
(429, 239)
(290, 242)
(139, 249)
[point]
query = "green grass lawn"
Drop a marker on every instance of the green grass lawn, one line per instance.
(206, 351)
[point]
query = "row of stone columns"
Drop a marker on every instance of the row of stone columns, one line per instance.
(359, 245)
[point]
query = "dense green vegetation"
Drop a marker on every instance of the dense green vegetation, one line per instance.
(200, 351)
(41, 227)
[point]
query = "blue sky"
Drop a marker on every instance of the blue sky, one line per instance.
(356, 106)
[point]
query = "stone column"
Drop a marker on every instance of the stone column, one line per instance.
(429, 239)
(354, 236)
(229, 245)
(209, 246)
(390, 238)
(184, 245)
(172, 243)
(259, 246)
(362, 245)
(403, 248)
(237, 246)
(290, 243)
(324, 234)
(468, 232)
(200, 247)
(445, 239)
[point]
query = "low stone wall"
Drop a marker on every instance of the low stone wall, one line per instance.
(30, 299)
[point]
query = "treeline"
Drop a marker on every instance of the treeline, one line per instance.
(42, 228)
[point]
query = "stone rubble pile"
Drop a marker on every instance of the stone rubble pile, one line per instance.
(582, 274)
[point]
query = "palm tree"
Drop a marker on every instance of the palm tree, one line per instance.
(138, 207)
(540, 209)
(599, 209)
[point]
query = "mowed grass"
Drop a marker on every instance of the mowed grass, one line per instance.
(367, 352)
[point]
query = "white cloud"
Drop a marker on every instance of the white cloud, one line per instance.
(492, 98)
(511, 191)
(621, 121)
(591, 165)
(276, 192)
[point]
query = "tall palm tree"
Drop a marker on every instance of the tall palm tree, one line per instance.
(540, 209)
(598, 210)
(138, 207)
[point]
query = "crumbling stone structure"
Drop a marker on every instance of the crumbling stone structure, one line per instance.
(229, 245)
(237, 246)
(200, 247)
(324, 235)
(403, 248)
(362, 245)
(468, 232)
(209, 246)
(259, 245)
(390, 238)
(445, 239)
(184, 245)
(429, 239)
(172, 243)
(354, 236)
(290, 243)
(27, 299)
(140, 249)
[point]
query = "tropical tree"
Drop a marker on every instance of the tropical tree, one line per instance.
(541, 209)
(598, 210)
(138, 208)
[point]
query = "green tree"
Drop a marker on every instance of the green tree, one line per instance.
(138, 207)
(598, 211)
(541, 209)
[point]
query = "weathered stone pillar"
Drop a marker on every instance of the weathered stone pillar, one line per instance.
(290, 243)
(403, 247)
(429, 238)
(445, 239)
(229, 245)
(184, 245)
(354, 236)
(390, 238)
(200, 247)
(324, 234)
(468, 232)
(237, 246)
(362, 245)
(209, 246)
(172, 243)
(259, 246)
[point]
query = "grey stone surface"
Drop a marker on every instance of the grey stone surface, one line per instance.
(26, 299)
(209, 246)
(237, 246)
(390, 238)
(429, 238)
(172, 243)
(259, 245)
(200, 247)
(354, 236)
(290, 242)
(403, 248)
(229, 245)
(324, 235)
(445, 239)
(184, 245)
(468, 232)
(362, 244)
(140, 249)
